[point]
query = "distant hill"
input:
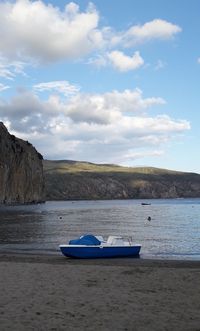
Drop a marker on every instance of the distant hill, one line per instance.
(73, 180)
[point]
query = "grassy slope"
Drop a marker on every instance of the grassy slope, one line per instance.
(63, 166)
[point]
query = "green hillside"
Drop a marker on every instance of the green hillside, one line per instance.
(67, 180)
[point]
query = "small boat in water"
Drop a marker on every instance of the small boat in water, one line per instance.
(90, 246)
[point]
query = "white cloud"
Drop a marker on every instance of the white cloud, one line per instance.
(10, 69)
(40, 31)
(63, 87)
(198, 60)
(123, 62)
(3, 87)
(156, 29)
(98, 61)
(106, 127)
(118, 60)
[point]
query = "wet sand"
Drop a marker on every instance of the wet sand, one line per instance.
(40, 292)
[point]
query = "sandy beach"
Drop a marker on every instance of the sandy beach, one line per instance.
(55, 293)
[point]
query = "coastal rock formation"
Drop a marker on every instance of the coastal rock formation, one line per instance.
(68, 180)
(21, 170)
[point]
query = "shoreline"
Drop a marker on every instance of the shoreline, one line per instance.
(140, 199)
(23, 253)
(51, 292)
(55, 258)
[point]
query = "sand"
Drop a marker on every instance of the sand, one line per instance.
(40, 292)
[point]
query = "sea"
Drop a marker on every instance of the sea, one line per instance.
(166, 228)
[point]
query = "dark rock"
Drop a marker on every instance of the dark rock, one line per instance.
(21, 170)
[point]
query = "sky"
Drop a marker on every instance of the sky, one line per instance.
(104, 81)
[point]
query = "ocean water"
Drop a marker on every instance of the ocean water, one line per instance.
(172, 233)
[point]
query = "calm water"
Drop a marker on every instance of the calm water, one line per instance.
(172, 233)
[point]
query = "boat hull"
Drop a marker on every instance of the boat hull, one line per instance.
(89, 252)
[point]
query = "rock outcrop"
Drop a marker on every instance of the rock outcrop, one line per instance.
(21, 170)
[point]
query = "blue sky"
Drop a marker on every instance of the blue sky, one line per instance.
(103, 81)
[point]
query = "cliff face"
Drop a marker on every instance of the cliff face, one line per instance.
(21, 170)
(68, 180)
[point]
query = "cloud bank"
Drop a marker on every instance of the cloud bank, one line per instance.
(59, 119)
(109, 127)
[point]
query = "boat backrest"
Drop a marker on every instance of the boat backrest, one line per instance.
(118, 241)
(110, 240)
(115, 240)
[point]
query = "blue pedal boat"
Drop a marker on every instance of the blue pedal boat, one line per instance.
(90, 246)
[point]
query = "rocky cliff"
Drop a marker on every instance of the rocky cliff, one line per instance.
(21, 170)
(68, 180)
